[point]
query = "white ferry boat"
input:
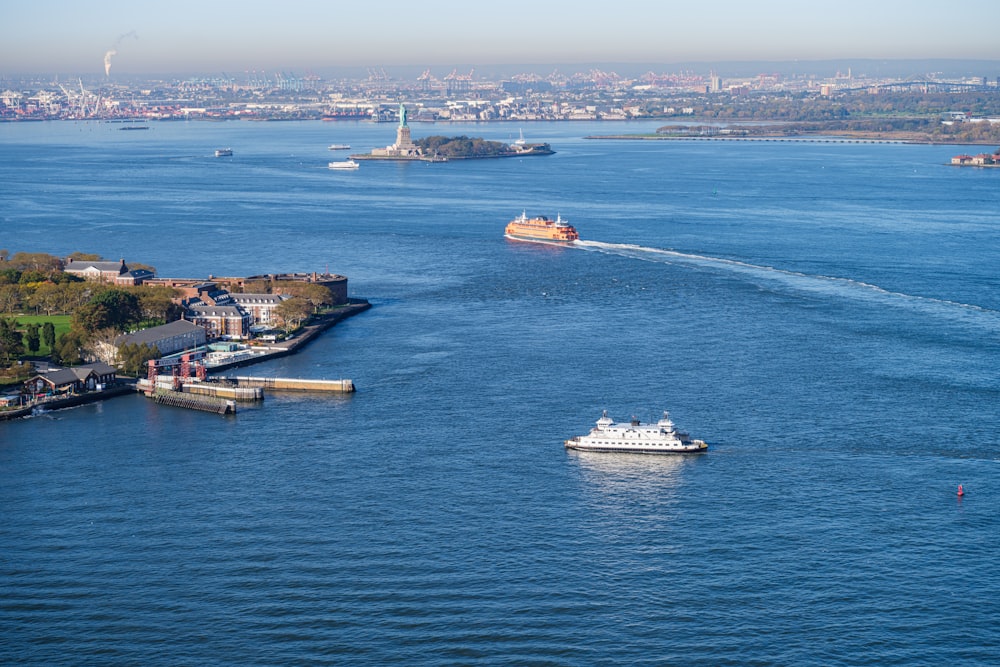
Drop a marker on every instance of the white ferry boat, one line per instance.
(345, 164)
(224, 152)
(340, 147)
(636, 437)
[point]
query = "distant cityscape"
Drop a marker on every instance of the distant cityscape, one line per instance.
(594, 94)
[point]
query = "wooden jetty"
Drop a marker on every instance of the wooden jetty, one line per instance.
(194, 402)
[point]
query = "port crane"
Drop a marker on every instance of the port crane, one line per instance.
(459, 82)
(179, 368)
(78, 100)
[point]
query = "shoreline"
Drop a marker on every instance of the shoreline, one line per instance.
(309, 333)
(449, 158)
(126, 386)
(790, 138)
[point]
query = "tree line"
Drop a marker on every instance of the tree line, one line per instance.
(458, 147)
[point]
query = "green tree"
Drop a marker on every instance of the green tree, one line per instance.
(75, 294)
(10, 277)
(48, 297)
(10, 298)
(11, 344)
(49, 335)
(35, 261)
(32, 337)
(132, 358)
(316, 295)
(156, 303)
(108, 309)
(85, 256)
(90, 317)
(68, 347)
(123, 307)
(293, 312)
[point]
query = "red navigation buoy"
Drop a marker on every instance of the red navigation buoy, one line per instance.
(961, 492)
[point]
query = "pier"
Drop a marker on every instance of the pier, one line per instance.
(295, 384)
(225, 391)
(194, 402)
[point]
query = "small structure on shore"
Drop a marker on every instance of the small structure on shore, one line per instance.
(66, 381)
(979, 160)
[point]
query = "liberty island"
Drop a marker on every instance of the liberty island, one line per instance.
(442, 149)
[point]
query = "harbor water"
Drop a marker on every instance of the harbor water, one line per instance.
(824, 315)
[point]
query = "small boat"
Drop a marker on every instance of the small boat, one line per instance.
(540, 228)
(636, 437)
(346, 164)
(340, 147)
(224, 152)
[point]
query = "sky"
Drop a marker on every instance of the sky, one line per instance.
(214, 36)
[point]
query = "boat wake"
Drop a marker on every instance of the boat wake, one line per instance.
(803, 282)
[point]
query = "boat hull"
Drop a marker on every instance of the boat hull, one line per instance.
(536, 239)
(694, 448)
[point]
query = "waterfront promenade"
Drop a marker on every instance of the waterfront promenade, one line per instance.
(317, 325)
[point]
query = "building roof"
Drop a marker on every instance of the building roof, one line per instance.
(61, 377)
(216, 311)
(100, 368)
(246, 299)
(154, 334)
(65, 376)
(80, 265)
(140, 273)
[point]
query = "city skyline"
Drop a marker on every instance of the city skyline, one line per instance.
(128, 38)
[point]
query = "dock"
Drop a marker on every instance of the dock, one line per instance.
(295, 384)
(225, 391)
(194, 402)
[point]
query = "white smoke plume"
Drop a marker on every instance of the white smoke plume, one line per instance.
(113, 51)
(107, 61)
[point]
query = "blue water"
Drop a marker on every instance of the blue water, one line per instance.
(826, 316)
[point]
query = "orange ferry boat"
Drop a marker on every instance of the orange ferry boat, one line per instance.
(541, 228)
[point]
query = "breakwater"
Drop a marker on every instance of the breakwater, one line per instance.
(295, 384)
(225, 391)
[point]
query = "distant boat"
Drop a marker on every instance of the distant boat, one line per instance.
(346, 164)
(340, 147)
(636, 438)
(224, 152)
(541, 228)
(520, 141)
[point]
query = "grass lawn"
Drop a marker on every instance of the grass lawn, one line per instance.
(61, 323)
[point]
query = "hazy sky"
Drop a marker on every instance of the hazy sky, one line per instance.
(210, 36)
